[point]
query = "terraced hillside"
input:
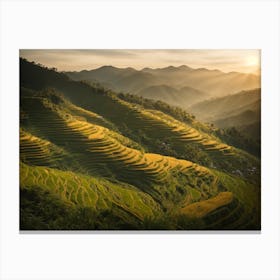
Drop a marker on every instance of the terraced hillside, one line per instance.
(98, 160)
(99, 150)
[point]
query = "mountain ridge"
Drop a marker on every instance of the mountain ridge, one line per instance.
(215, 82)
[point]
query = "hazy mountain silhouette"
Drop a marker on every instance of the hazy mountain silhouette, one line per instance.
(240, 110)
(213, 82)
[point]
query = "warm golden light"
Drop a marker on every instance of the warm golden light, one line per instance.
(253, 61)
(246, 61)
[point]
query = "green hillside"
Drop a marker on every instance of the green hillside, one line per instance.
(91, 160)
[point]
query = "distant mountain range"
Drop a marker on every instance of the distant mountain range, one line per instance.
(241, 110)
(129, 80)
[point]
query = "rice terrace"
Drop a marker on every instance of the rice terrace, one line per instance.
(140, 140)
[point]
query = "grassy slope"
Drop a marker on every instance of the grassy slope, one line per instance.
(98, 150)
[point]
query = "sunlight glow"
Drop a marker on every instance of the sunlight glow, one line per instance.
(226, 60)
(252, 61)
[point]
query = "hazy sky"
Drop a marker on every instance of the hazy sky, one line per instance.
(75, 60)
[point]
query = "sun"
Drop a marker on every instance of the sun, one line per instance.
(252, 61)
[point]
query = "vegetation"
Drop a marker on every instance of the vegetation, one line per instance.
(237, 116)
(231, 136)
